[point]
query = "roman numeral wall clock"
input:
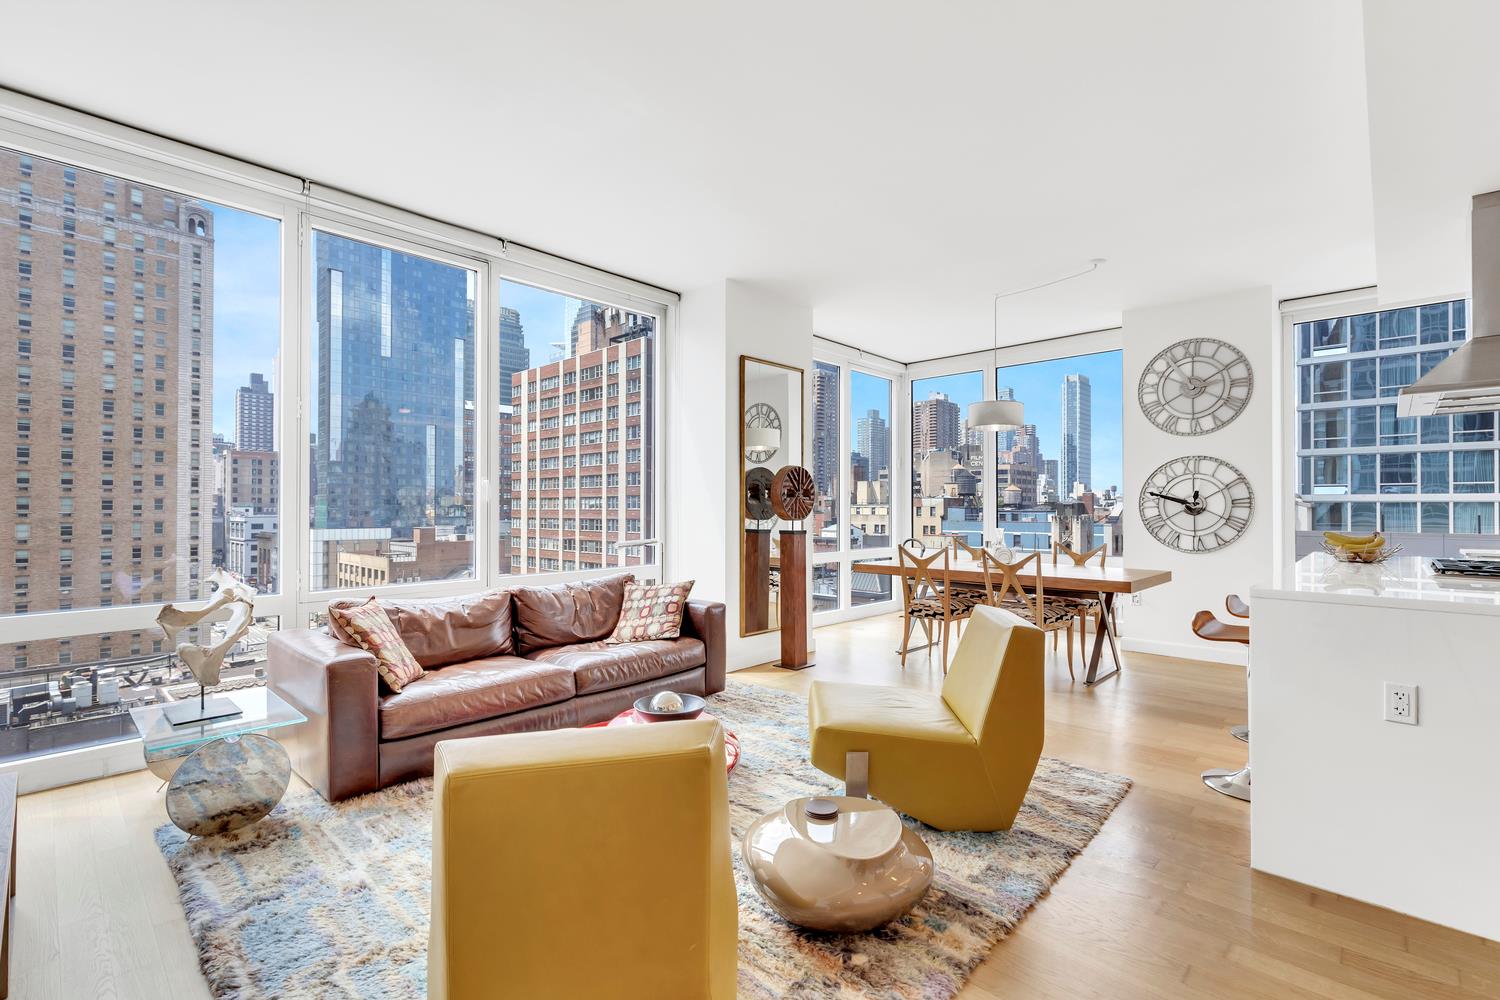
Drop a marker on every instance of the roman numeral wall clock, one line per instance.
(1195, 386)
(1196, 503)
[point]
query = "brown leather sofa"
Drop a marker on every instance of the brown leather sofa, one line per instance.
(505, 661)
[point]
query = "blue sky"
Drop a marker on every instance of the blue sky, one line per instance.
(869, 392)
(544, 319)
(1039, 387)
(247, 304)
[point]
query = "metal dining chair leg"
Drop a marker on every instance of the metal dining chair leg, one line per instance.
(1225, 781)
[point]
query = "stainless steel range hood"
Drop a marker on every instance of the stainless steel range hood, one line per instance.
(1468, 380)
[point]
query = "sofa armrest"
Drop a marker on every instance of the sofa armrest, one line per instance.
(337, 686)
(705, 620)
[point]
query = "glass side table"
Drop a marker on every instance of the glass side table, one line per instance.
(221, 774)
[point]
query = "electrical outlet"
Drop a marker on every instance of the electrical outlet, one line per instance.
(1135, 600)
(1401, 703)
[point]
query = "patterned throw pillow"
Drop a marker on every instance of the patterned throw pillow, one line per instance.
(371, 629)
(651, 611)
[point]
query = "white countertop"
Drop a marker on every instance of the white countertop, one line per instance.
(1403, 581)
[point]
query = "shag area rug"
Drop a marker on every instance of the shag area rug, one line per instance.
(331, 901)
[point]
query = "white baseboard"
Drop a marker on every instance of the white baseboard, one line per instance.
(1214, 652)
(68, 767)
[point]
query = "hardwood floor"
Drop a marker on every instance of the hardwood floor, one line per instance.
(1161, 904)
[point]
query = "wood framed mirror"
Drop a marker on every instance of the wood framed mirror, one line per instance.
(771, 433)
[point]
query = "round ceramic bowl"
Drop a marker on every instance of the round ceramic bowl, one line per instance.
(692, 707)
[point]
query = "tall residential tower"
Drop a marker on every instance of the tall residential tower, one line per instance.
(1076, 463)
(254, 416)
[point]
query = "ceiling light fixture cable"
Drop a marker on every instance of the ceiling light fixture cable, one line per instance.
(1004, 414)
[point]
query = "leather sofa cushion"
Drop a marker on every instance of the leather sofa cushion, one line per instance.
(448, 629)
(469, 692)
(598, 667)
(564, 614)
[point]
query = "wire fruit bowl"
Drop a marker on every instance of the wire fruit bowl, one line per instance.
(1361, 555)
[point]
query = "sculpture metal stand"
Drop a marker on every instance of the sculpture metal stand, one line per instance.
(205, 661)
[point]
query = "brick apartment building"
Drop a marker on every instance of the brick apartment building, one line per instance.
(581, 464)
(106, 296)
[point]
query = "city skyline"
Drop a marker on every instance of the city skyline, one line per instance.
(1038, 386)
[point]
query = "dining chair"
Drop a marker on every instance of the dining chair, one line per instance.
(928, 596)
(1048, 614)
(1088, 607)
(983, 593)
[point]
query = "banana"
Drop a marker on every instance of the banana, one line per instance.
(1364, 548)
(1351, 541)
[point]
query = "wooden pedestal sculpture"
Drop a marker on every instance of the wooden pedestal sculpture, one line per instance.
(793, 496)
(756, 552)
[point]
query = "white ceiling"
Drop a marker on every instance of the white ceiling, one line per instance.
(893, 164)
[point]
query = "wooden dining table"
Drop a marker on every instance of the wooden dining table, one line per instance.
(1102, 583)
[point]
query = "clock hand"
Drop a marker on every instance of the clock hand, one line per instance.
(1166, 496)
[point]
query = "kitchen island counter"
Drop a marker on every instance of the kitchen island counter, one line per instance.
(1402, 816)
(1400, 581)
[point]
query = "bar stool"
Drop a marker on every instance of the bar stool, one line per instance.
(1239, 609)
(1226, 781)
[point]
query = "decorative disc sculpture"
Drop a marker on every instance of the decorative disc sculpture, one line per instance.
(793, 493)
(205, 661)
(758, 506)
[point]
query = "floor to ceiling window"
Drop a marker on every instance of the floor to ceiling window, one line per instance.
(854, 463)
(1056, 476)
(139, 446)
(947, 458)
(1360, 466)
(576, 461)
(827, 392)
(1065, 462)
(392, 463)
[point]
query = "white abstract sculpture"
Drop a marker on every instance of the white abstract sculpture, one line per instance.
(206, 661)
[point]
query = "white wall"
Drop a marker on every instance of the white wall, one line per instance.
(1162, 623)
(719, 323)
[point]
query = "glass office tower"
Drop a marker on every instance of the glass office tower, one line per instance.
(395, 377)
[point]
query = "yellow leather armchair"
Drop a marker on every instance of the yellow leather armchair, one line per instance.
(583, 863)
(961, 760)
